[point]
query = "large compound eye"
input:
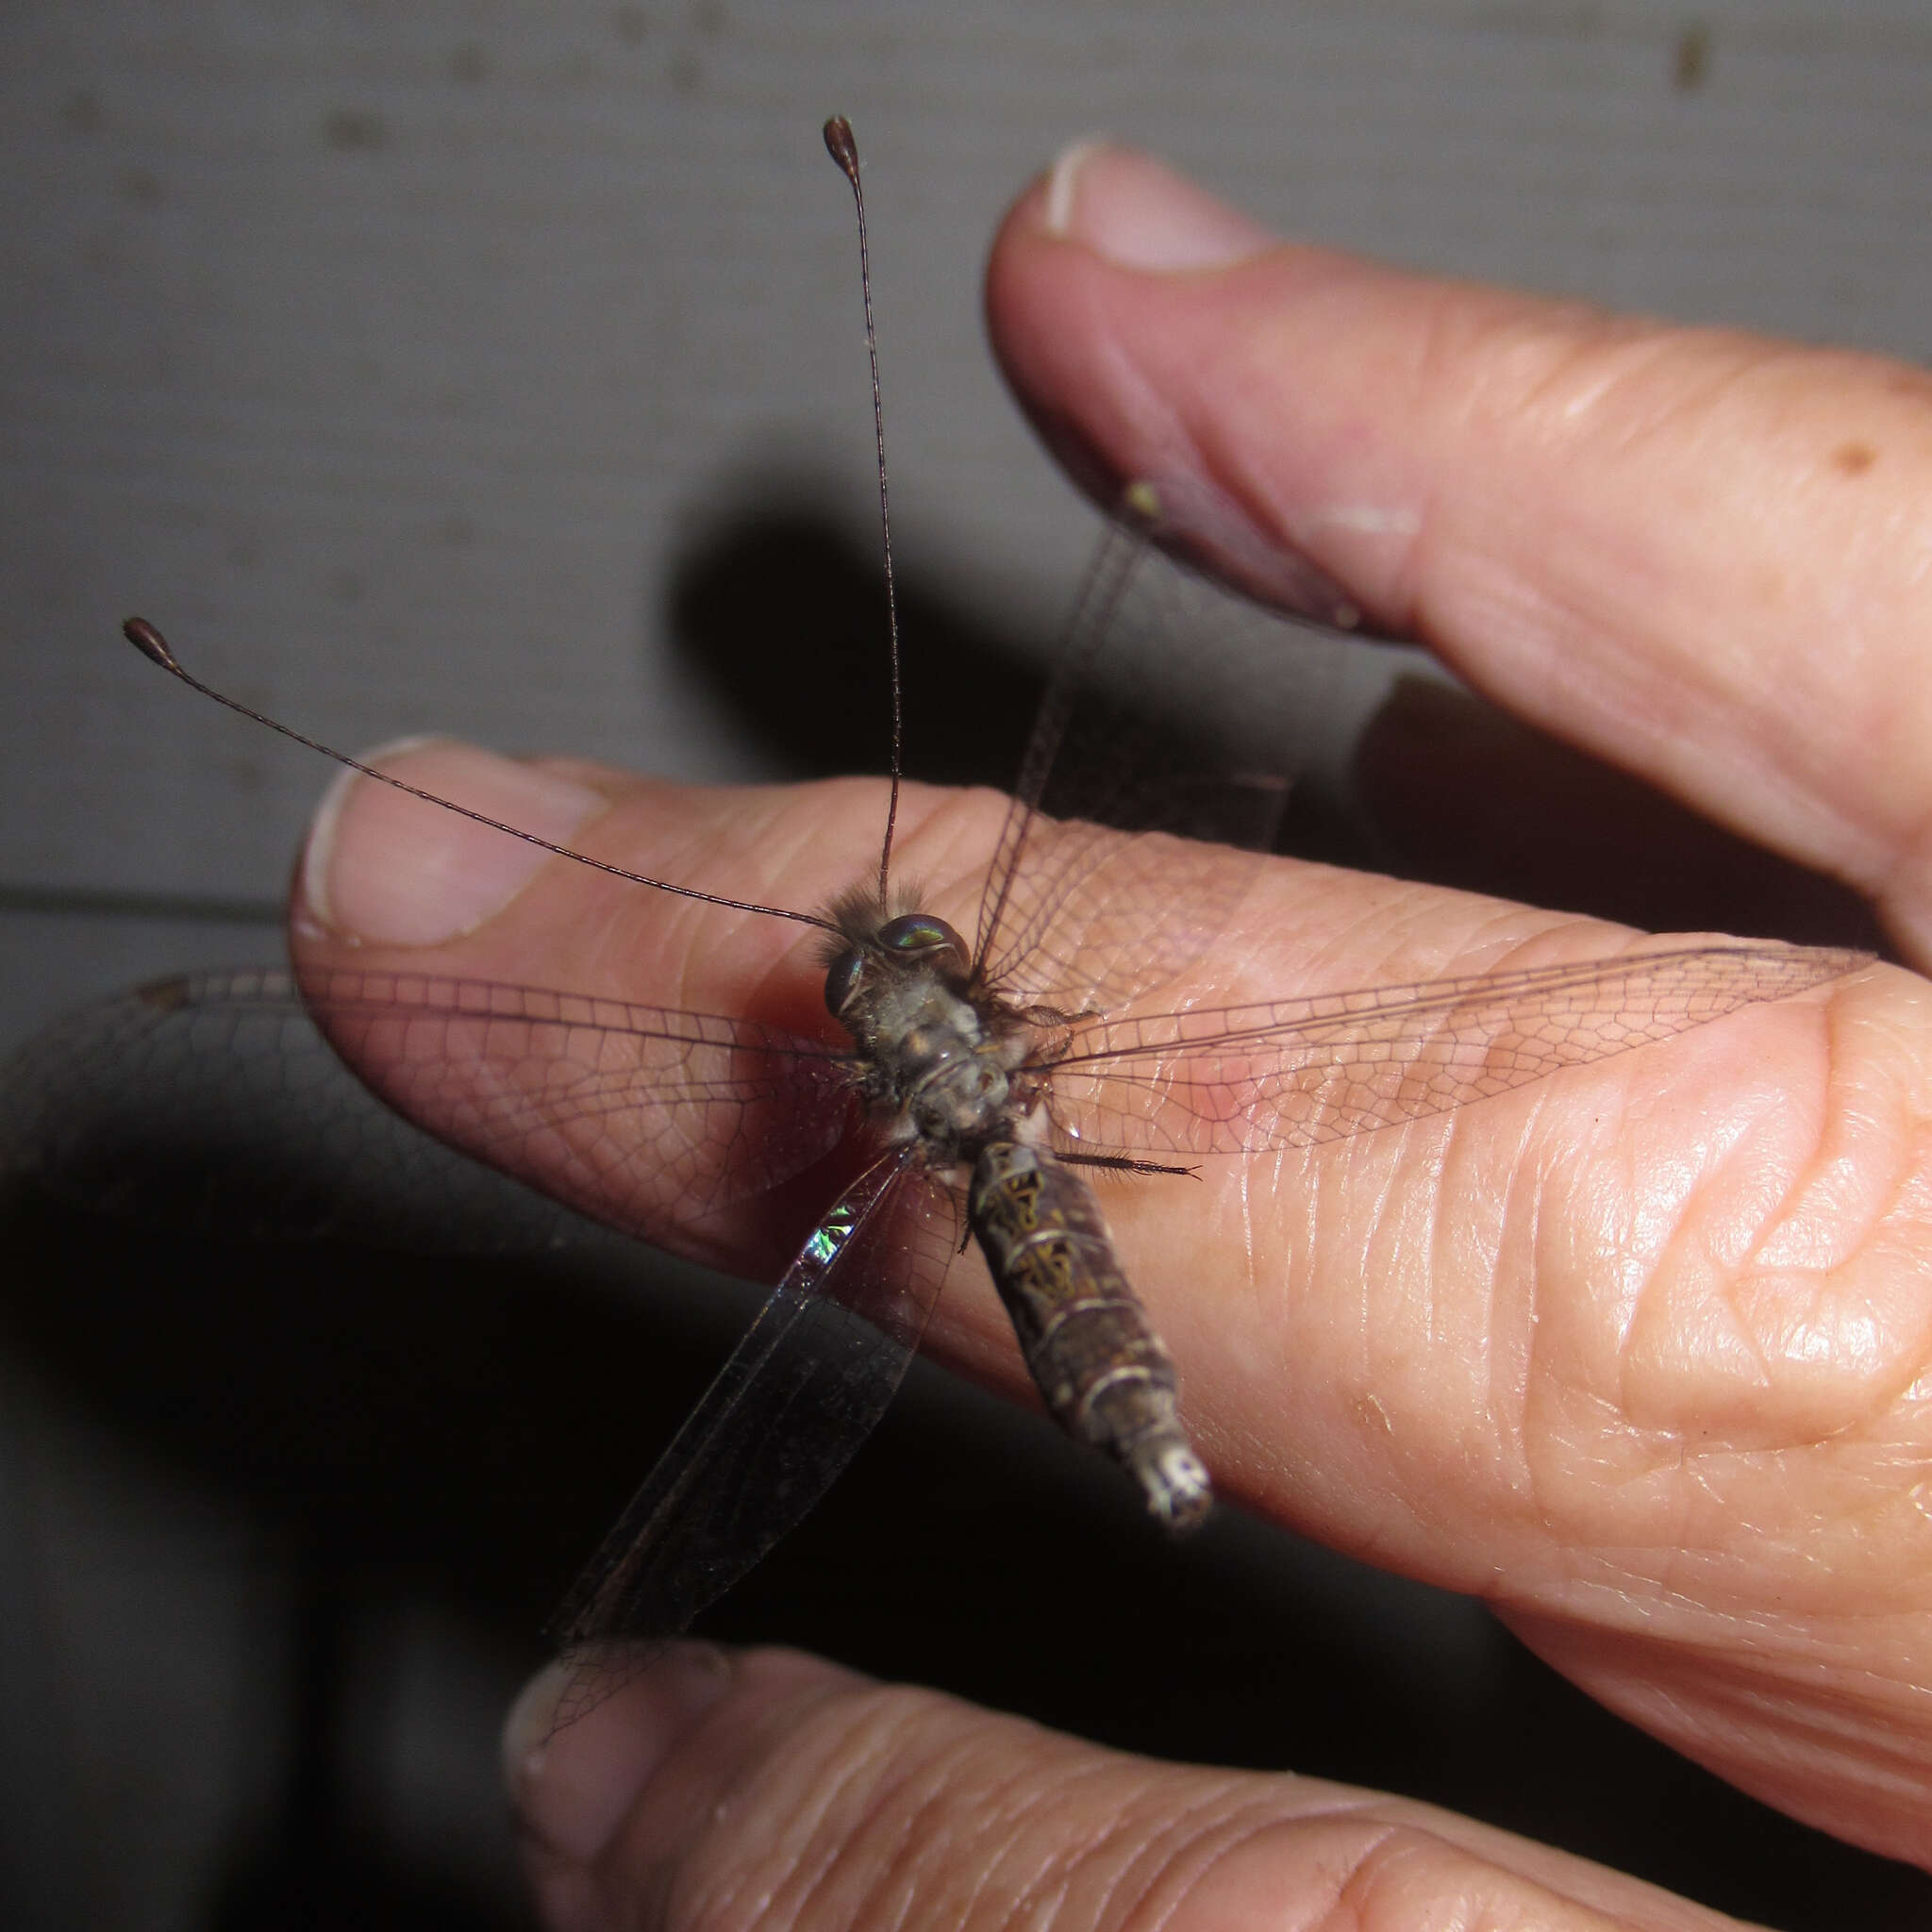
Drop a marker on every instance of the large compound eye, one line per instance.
(920, 932)
(842, 981)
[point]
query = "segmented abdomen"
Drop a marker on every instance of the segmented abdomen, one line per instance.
(1103, 1372)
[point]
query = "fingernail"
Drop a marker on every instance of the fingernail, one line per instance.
(385, 869)
(1127, 206)
(574, 1786)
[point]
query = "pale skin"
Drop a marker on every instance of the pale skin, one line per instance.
(1640, 1354)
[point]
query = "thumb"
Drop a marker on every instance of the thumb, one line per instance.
(766, 1787)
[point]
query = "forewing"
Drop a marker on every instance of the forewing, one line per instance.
(1105, 918)
(799, 1394)
(212, 1102)
(1294, 1073)
(1174, 708)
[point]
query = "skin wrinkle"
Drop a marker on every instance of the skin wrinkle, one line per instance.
(1011, 1803)
(1262, 1825)
(1016, 1805)
(1800, 775)
(1246, 1233)
(1734, 1718)
(1574, 675)
(1205, 1851)
(1617, 1614)
(1114, 1877)
(1682, 1547)
(1399, 1193)
(856, 1848)
(1241, 1813)
(1431, 1189)
(1681, 1226)
(1684, 1229)
(1718, 364)
(1440, 1232)
(1797, 1198)
(939, 1779)
(1035, 1885)
(806, 1818)
(1011, 1806)
(1381, 1870)
(1508, 1381)
(1155, 1857)
(1364, 1337)
(1255, 1811)
(1359, 1877)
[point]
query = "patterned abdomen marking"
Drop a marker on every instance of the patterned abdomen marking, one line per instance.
(1088, 1344)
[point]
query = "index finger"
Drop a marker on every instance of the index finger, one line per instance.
(1698, 553)
(1638, 1352)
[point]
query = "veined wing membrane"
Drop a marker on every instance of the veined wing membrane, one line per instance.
(1294, 1073)
(640, 1116)
(1141, 734)
(803, 1390)
(210, 1101)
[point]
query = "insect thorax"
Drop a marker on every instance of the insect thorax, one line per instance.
(940, 1055)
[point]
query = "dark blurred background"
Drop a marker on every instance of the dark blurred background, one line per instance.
(498, 370)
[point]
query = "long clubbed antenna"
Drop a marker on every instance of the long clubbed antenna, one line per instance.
(844, 150)
(156, 648)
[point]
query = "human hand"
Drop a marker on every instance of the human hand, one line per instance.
(1638, 1355)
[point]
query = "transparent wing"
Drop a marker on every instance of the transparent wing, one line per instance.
(1172, 708)
(787, 1411)
(211, 1101)
(1104, 918)
(1292, 1072)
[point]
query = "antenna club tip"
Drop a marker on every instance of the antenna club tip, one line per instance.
(842, 147)
(149, 643)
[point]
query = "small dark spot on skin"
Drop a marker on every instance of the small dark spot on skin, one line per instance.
(141, 188)
(707, 16)
(632, 24)
(1691, 60)
(469, 63)
(354, 130)
(345, 587)
(1853, 458)
(687, 74)
(457, 530)
(82, 112)
(245, 553)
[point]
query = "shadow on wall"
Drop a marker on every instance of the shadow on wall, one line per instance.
(777, 610)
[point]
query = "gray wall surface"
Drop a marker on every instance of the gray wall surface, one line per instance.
(402, 361)
(393, 358)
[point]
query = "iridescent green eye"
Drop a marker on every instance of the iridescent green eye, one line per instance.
(842, 981)
(920, 932)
